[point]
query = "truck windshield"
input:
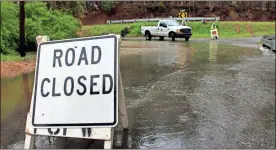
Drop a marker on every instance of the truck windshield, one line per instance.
(172, 23)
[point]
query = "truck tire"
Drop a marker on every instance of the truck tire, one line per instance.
(161, 38)
(187, 38)
(148, 35)
(172, 35)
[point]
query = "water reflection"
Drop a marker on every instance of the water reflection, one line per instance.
(26, 86)
(15, 101)
(176, 93)
(213, 51)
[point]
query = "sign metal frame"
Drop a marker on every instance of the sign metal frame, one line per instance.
(108, 124)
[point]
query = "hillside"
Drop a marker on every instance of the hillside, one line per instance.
(227, 11)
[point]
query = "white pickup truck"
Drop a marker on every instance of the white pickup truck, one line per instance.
(167, 28)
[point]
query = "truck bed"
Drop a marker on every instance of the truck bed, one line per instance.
(150, 28)
(269, 41)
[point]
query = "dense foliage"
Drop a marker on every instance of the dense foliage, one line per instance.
(39, 21)
(9, 28)
(76, 8)
(107, 6)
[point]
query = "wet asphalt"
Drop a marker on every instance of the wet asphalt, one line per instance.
(196, 94)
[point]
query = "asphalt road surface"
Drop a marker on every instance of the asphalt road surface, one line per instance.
(196, 94)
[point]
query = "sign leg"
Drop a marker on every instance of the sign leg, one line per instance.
(29, 142)
(125, 139)
(122, 104)
(108, 144)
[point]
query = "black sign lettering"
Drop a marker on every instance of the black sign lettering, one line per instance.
(57, 57)
(67, 57)
(84, 132)
(106, 82)
(35, 130)
(93, 61)
(83, 56)
(65, 86)
(53, 133)
(92, 84)
(54, 88)
(42, 87)
(105, 76)
(64, 131)
(82, 84)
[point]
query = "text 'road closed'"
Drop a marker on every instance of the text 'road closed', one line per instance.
(88, 84)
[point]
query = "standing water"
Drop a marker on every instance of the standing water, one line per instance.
(179, 95)
(15, 101)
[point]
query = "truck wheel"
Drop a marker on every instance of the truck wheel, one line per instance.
(187, 39)
(148, 36)
(161, 37)
(172, 35)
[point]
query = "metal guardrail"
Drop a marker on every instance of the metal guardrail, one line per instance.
(157, 19)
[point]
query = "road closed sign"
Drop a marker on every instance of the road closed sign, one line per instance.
(76, 83)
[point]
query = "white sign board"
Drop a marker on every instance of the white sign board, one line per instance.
(76, 83)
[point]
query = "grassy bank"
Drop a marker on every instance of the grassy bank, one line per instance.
(14, 65)
(226, 29)
(16, 58)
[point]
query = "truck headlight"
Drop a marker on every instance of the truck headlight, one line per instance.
(177, 30)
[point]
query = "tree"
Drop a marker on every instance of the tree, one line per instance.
(39, 20)
(76, 8)
(107, 6)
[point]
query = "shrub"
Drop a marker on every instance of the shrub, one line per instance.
(9, 27)
(108, 6)
(76, 8)
(161, 5)
(54, 23)
(39, 21)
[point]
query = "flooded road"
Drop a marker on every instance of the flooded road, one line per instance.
(15, 100)
(196, 94)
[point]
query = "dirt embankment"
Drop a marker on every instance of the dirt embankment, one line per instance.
(139, 10)
(12, 69)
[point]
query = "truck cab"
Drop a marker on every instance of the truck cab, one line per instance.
(167, 28)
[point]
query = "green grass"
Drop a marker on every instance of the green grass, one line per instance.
(29, 56)
(227, 29)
